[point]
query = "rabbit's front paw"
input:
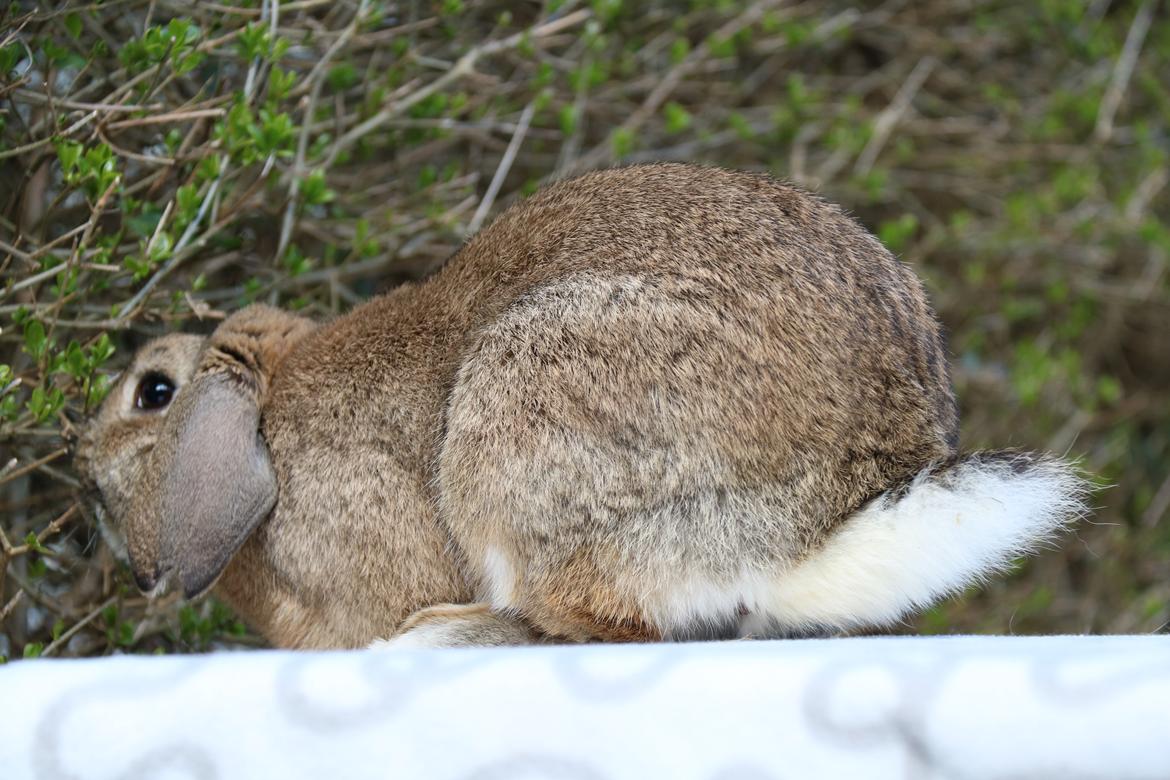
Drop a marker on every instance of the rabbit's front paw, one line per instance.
(458, 625)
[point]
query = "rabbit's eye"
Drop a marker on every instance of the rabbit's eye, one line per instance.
(154, 392)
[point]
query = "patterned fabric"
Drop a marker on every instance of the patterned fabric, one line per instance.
(959, 707)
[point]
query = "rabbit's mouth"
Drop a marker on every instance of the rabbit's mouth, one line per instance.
(96, 505)
(151, 585)
(93, 506)
(99, 500)
(110, 532)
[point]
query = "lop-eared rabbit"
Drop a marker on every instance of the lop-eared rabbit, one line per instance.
(649, 403)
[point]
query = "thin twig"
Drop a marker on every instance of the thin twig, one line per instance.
(171, 118)
(48, 531)
(29, 147)
(107, 108)
(32, 466)
(1123, 70)
(67, 635)
(489, 197)
(890, 116)
(11, 605)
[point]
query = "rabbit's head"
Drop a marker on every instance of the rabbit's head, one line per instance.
(175, 456)
(114, 450)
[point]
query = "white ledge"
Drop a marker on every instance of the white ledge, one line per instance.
(953, 707)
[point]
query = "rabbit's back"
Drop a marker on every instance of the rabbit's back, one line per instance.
(722, 302)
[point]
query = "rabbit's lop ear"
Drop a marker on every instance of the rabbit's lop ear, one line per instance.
(217, 480)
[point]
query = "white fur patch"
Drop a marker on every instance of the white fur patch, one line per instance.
(687, 605)
(427, 635)
(895, 555)
(945, 533)
(499, 577)
(113, 535)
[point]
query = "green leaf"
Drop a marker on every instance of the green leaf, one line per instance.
(37, 568)
(1109, 390)
(76, 361)
(35, 340)
(188, 62)
(101, 350)
(144, 224)
(607, 10)
(73, 25)
(524, 47)
(253, 40)
(721, 47)
(176, 40)
(896, 233)
(313, 189)
(44, 404)
(33, 543)
(252, 288)
(10, 407)
(433, 106)
(10, 55)
(568, 117)
(279, 83)
(427, 175)
(99, 388)
(677, 117)
(739, 123)
(342, 77)
(160, 247)
(61, 55)
(68, 153)
(33, 650)
(622, 141)
(295, 262)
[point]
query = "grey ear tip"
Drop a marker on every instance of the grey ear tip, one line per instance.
(194, 587)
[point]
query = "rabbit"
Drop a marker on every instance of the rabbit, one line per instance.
(651, 403)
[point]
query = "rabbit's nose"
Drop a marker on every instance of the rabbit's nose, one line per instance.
(146, 581)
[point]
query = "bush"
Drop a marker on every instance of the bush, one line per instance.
(163, 163)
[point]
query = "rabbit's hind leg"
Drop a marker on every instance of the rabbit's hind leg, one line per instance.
(459, 625)
(577, 598)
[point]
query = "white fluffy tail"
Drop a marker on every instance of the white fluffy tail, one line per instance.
(950, 527)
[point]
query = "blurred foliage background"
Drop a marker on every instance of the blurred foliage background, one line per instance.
(162, 163)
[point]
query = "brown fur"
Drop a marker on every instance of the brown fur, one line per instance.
(634, 374)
